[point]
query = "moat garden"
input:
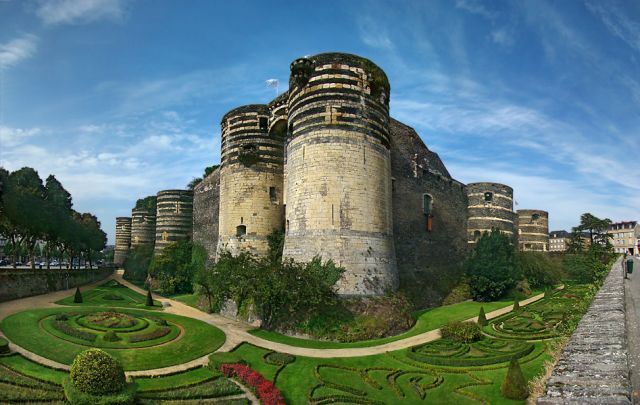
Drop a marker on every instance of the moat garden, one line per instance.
(470, 367)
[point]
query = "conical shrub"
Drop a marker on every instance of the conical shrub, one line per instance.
(514, 386)
(149, 302)
(482, 318)
(516, 304)
(78, 297)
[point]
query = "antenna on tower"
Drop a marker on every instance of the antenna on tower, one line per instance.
(274, 84)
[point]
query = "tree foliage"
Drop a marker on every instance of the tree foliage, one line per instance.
(148, 203)
(136, 264)
(492, 267)
(172, 269)
(514, 386)
(539, 269)
(32, 211)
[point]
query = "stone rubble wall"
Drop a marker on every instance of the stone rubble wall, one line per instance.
(593, 367)
(20, 283)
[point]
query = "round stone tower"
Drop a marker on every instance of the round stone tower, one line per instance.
(251, 180)
(339, 170)
(143, 227)
(533, 230)
(123, 239)
(174, 218)
(490, 207)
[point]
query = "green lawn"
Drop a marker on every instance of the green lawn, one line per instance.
(29, 368)
(187, 378)
(426, 320)
(198, 340)
(113, 295)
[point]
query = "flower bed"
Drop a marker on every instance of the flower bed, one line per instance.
(156, 334)
(266, 391)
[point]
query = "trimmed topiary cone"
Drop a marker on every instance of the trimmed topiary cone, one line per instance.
(482, 318)
(149, 302)
(514, 386)
(516, 304)
(77, 299)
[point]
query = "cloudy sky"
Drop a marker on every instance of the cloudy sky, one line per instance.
(120, 99)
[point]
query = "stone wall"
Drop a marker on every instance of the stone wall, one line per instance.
(339, 172)
(251, 181)
(490, 207)
(429, 261)
(25, 283)
(533, 230)
(593, 367)
(206, 209)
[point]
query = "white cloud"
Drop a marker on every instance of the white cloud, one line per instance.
(617, 22)
(14, 136)
(502, 37)
(475, 7)
(79, 11)
(374, 34)
(16, 50)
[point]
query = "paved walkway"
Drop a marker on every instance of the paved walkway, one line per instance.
(236, 332)
(632, 301)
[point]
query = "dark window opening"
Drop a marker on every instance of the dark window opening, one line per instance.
(535, 217)
(488, 196)
(393, 185)
(273, 195)
(264, 123)
(427, 204)
(241, 230)
(476, 235)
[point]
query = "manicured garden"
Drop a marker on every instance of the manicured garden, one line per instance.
(112, 295)
(441, 371)
(426, 320)
(139, 339)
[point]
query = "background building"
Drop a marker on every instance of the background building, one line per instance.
(558, 241)
(625, 237)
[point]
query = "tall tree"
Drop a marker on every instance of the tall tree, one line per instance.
(596, 227)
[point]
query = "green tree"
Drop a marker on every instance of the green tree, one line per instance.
(77, 298)
(514, 386)
(482, 318)
(149, 302)
(148, 203)
(136, 264)
(194, 182)
(538, 269)
(596, 227)
(173, 269)
(492, 268)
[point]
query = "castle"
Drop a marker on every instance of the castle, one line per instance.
(327, 164)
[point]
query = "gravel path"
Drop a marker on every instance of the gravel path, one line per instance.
(236, 332)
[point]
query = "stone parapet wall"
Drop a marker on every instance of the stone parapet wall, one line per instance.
(17, 283)
(593, 367)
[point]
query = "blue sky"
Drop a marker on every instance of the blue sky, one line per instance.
(120, 99)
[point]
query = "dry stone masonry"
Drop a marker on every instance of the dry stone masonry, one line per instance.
(593, 368)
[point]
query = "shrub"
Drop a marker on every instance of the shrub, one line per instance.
(539, 269)
(516, 304)
(76, 397)
(111, 336)
(149, 302)
(216, 360)
(4, 346)
(267, 393)
(514, 386)
(77, 299)
(62, 317)
(156, 334)
(137, 263)
(482, 318)
(279, 359)
(65, 328)
(95, 372)
(461, 331)
(492, 268)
